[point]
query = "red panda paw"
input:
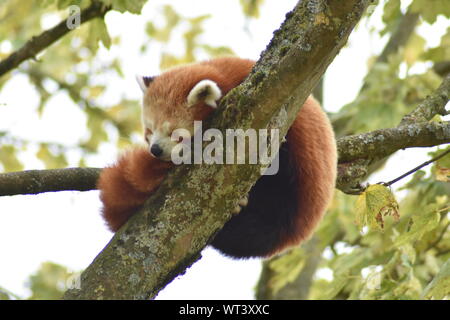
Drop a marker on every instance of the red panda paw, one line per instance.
(242, 203)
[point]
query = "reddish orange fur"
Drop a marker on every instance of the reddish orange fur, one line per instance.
(316, 157)
(126, 185)
(271, 221)
(169, 90)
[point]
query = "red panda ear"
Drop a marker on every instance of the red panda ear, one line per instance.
(144, 81)
(205, 90)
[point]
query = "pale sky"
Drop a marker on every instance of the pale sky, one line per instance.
(66, 227)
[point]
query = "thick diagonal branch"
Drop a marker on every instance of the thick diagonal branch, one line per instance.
(38, 43)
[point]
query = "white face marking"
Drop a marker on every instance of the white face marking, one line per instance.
(149, 124)
(205, 90)
(140, 81)
(165, 128)
(164, 142)
(143, 82)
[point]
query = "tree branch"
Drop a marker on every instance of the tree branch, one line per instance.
(38, 181)
(398, 39)
(434, 104)
(400, 36)
(45, 39)
(442, 68)
(353, 151)
(381, 143)
(353, 166)
(76, 96)
(193, 203)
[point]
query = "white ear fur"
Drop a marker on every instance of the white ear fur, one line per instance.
(143, 81)
(206, 90)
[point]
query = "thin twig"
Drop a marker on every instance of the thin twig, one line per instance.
(38, 43)
(387, 184)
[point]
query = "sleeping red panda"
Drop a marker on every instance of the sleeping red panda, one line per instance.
(281, 210)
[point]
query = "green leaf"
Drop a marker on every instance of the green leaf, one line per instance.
(391, 15)
(97, 132)
(335, 287)
(49, 282)
(345, 263)
(99, 32)
(95, 91)
(286, 268)
(424, 221)
(375, 203)
(251, 7)
(8, 158)
(47, 3)
(51, 160)
(441, 52)
(217, 51)
(414, 49)
(64, 4)
(132, 6)
(172, 19)
(4, 295)
(430, 9)
(439, 287)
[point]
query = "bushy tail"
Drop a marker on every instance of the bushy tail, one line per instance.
(126, 185)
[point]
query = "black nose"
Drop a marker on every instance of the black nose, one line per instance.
(156, 150)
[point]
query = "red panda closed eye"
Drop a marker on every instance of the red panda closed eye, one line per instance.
(282, 209)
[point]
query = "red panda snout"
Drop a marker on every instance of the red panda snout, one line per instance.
(161, 145)
(156, 150)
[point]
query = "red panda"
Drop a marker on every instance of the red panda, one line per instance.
(281, 210)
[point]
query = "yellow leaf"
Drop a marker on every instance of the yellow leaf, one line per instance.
(414, 49)
(50, 160)
(9, 160)
(375, 203)
(442, 174)
(427, 220)
(95, 91)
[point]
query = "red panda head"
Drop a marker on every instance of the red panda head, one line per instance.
(173, 100)
(176, 98)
